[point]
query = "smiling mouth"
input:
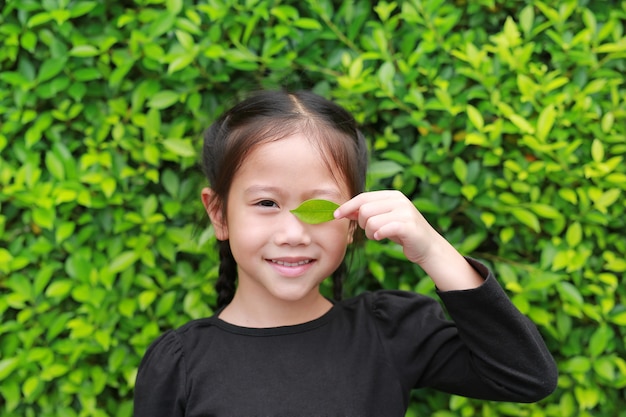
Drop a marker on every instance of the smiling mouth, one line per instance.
(299, 263)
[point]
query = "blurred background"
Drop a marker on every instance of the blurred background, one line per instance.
(504, 122)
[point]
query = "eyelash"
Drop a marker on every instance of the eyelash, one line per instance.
(263, 203)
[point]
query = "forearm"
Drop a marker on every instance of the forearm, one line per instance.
(448, 269)
(505, 350)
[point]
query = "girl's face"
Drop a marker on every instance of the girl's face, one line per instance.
(280, 258)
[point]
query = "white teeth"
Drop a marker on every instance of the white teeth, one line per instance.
(291, 263)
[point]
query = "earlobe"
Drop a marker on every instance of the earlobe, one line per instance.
(213, 207)
(351, 232)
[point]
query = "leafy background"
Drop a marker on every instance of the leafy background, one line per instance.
(504, 121)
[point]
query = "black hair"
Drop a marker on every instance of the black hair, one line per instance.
(268, 116)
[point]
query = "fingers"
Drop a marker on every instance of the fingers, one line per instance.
(353, 208)
(390, 215)
(382, 214)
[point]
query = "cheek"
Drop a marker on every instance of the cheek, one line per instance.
(246, 233)
(340, 232)
(246, 242)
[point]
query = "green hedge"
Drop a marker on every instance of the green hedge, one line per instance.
(505, 122)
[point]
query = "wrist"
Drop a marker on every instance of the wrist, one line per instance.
(448, 269)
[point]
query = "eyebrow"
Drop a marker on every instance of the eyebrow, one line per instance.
(314, 193)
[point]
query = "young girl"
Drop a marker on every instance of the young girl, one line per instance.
(276, 346)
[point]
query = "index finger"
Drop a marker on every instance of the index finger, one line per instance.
(350, 209)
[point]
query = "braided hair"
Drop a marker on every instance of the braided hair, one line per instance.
(269, 116)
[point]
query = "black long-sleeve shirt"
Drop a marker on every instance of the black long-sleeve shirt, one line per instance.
(360, 359)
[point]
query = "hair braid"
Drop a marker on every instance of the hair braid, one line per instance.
(225, 285)
(338, 277)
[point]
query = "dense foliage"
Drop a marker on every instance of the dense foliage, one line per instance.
(504, 121)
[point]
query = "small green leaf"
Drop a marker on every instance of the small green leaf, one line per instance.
(475, 117)
(545, 122)
(316, 211)
(308, 23)
(7, 366)
(174, 6)
(527, 18)
(55, 166)
(600, 339)
(123, 261)
(82, 8)
(59, 289)
(574, 235)
(460, 169)
(386, 74)
(170, 182)
(50, 68)
(181, 147)
(166, 303)
(522, 123)
(84, 51)
(384, 169)
(180, 62)
(146, 298)
(619, 318)
(597, 151)
(185, 39)
(30, 387)
(39, 19)
(163, 99)
(527, 218)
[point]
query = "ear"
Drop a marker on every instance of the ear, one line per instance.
(352, 231)
(213, 207)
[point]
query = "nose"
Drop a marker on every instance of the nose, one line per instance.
(291, 231)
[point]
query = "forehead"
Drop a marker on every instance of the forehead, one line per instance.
(296, 159)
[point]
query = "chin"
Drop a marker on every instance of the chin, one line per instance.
(291, 296)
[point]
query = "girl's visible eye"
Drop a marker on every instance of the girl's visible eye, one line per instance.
(266, 203)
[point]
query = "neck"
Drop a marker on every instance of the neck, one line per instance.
(257, 314)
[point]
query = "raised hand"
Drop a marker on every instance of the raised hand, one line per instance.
(391, 215)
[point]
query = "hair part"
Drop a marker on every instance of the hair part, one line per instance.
(270, 116)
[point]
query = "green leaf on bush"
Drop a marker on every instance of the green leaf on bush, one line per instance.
(307, 23)
(475, 117)
(50, 68)
(181, 147)
(165, 304)
(123, 261)
(163, 99)
(527, 218)
(600, 340)
(522, 123)
(597, 151)
(59, 288)
(605, 368)
(84, 51)
(39, 19)
(82, 7)
(7, 366)
(315, 211)
(162, 24)
(545, 122)
(384, 169)
(619, 318)
(460, 169)
(30, 386)
(546, 211)
(180, 62)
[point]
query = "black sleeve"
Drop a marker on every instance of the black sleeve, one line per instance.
(160, 384)
(489, 351)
